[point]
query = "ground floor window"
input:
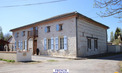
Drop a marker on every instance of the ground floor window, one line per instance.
(49, 43)
(89, 43)
(95, 44)
(92, 43)
(61, 43)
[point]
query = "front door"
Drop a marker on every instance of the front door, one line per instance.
(35, 47)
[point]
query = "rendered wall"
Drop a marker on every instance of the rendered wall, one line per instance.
(88, 29)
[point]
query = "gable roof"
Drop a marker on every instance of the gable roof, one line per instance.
(60, 17)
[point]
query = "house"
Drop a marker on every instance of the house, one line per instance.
(11, 45)
(68, 35)
(2, 44)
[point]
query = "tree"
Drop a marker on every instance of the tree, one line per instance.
(0, 29)
(7, 36)
(121, 34)
(117, 33)
(110, 7)
(1, 34)
(111, 37)
(4, 37)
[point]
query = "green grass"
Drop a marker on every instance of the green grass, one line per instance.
(52, 60)
(7, 60)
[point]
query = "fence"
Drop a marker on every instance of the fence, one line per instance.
(114, 48)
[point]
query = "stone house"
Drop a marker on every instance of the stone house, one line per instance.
(68, 35)
(11, 41)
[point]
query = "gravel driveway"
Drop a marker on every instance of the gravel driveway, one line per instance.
(74, 66)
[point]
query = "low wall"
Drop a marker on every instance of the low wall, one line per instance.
(114, 48)
(8, 55)
(23, 56)
(17, 56)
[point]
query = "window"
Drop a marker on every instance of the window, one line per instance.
(36, 31)
(17, 34)
(15, 45)
(49, 43)
(23, 33)
(61, 43)
(48, 28)
(36, 28)
(89, 43)
(95, 44)
(59, 27)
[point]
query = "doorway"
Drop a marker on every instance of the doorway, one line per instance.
(35, 47)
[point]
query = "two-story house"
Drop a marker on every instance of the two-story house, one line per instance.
(68, 35)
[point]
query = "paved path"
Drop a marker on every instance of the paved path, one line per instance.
(74, 66)
(45, 58)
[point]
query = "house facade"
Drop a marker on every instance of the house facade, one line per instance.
(69, 35)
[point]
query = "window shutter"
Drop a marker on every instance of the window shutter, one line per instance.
(57, 27)
(65, 42)
(52, 42)
(46, 29)
(21, 45)
(56, 43)
(25, 44)
(45, 43)
(18, 45)
(15, 44)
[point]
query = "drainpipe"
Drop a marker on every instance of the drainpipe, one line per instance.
(76, 37)
(106, 41)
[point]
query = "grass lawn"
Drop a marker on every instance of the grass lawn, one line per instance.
(52, 60)
(8, 60)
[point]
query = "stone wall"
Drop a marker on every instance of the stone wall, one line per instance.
(8, 55)
(69, 30)
(17, 56)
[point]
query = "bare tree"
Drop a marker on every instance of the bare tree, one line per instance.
(110, 8)
(7, 36)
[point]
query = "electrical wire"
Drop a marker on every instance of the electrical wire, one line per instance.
(32, 4)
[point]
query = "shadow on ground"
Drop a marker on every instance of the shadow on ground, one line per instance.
(108, 56)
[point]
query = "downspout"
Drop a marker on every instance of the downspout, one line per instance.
(76, 37)
(106, 41)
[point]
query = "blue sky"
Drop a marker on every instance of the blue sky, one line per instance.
(19, 16)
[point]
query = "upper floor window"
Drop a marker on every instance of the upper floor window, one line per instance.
(31, 29)
(23, 33)
(59, 27)
(36, 28)
(47, 29)
(17, 34)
